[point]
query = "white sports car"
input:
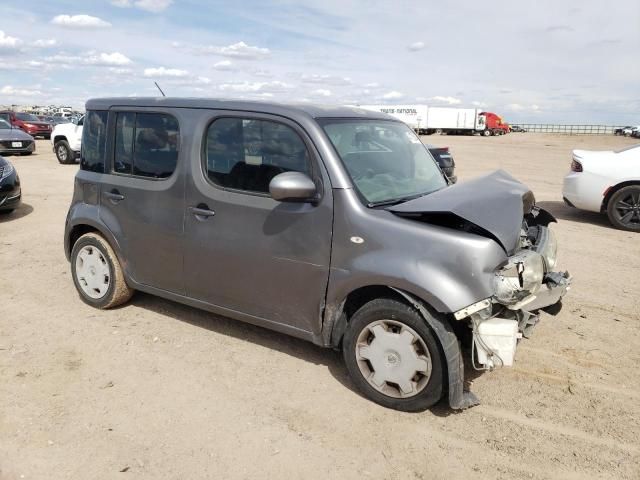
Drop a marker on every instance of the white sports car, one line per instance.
(607, 182)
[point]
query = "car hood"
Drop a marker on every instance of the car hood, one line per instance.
(493, 205)
(14, 134)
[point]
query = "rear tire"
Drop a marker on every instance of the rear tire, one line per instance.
(393, 357)
(64, 154)
(486, 133)
(623, 208)
(97, 273)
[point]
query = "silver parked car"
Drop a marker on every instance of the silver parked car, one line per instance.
(334, 225)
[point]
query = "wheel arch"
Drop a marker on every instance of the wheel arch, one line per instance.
(440, 324)
(336, 316)
(612, 190)
(82, 226)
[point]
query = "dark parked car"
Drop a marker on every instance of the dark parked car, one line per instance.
(15, 141)
(9, 187)
(330, 224)
(516, 128)
(445, 160)
(28, 122)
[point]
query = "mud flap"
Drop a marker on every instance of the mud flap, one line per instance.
(458, 398)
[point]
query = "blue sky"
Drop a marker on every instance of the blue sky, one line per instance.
(543, 61)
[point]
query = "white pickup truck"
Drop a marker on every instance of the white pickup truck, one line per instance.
(66, 139)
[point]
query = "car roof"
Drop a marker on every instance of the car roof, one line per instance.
(284, 109)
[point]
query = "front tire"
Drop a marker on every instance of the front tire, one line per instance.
(393, 357)
(623, 208)
(64, 154)
(97, 273)
(486, 133)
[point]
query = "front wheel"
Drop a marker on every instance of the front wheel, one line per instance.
(97, 274)
(486, 133)
(64, 154)
(623, 209)
(393, 357)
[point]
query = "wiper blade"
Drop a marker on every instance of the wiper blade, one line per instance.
(395, 201)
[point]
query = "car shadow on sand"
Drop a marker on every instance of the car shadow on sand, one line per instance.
(23, 210)
(562, 211)
(247, 332)
(294, 347)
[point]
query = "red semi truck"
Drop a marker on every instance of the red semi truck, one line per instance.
(494, 124)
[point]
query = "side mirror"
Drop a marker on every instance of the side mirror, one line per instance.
(292, 187)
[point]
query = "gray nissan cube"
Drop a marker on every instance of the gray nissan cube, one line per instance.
(331, 224)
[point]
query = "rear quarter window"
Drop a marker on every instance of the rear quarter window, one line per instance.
(94, 140)
(146, 144)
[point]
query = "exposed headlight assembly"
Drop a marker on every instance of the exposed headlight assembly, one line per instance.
(520, 277)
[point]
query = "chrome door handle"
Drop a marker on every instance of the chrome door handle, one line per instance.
(201, 213)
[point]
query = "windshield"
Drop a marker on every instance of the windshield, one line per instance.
(4, 125)
(27, 117)
(385, 159)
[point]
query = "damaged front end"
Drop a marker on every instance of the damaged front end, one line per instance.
(524, 285)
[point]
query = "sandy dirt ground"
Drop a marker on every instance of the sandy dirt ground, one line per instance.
(157, 390)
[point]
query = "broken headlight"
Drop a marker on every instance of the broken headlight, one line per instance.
(520, 277)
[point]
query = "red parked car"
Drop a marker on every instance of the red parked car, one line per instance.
(28, 122)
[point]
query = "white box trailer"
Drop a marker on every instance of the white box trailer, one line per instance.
(426, 120)
(413, 115)
(444, 119)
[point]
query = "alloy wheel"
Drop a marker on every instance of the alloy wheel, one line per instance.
(627, 209)
(62, 153)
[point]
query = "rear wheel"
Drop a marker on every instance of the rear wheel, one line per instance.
(623, 208)
(63, 151)
(97, 274)
(486, 133)
(393, 357)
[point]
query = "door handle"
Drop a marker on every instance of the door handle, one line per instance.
(201, 212)
(114, 196)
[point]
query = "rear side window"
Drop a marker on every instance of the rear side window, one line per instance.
(245, 154)
(146, 144)
(94, 137)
